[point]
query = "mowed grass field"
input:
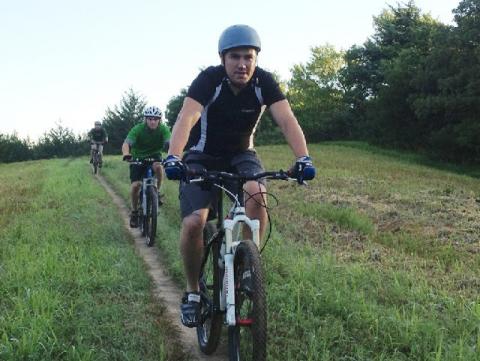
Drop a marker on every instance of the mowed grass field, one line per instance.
(377, 259)
(71, 285)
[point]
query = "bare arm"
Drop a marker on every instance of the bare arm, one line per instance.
(125, 149)
(284, 117)
(187, 118)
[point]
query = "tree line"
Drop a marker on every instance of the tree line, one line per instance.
(58, 142)
(412, 85)
(61, 142)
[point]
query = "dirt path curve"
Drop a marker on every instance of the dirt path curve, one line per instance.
(165, 290)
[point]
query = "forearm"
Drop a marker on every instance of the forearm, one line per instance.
(295, 138)
(283, 115)
(179, 138)
(125, 149)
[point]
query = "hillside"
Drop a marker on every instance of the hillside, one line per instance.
(377, 259)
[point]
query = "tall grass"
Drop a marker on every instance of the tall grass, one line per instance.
(377, 259)
(71, 286)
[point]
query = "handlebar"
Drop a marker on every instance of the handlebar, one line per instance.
(145, 161)
(217, 176)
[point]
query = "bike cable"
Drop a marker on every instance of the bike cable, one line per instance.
(268, 208)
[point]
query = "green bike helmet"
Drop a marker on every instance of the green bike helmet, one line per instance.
(237, 36)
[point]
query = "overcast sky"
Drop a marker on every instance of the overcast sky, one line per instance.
(65, 60)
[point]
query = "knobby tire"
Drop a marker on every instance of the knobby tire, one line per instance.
(141, 217)
(209, 330)
(151, 216)
(248, 341)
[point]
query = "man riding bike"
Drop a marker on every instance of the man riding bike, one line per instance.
(218, 119)
(98, 137)
(145, 140)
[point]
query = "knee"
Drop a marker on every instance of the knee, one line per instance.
(257, 198)
(136, 186)
(193, 224)
(158, 170)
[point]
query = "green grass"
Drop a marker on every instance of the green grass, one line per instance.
(71, 286)
(117, 174)
(377, 259)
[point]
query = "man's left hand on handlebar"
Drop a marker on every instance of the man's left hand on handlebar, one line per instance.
(127, 157)
(303, 169)
(174, 168)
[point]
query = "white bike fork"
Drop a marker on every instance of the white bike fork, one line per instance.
(232, 236)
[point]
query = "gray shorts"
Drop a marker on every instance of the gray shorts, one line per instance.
(194, 197)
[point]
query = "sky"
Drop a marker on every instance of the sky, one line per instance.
(67, 61)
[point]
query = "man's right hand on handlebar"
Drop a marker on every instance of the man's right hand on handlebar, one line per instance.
(303, 169)
(127, 157)
(174, 168)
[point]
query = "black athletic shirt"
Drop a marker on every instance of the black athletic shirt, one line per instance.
(228, 121)
(98, 135)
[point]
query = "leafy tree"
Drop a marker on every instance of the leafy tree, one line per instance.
(173, 107)
(386, 77)
(457, 134)
(317, 95)
(60, 142)
(467, 16)
(119, 120)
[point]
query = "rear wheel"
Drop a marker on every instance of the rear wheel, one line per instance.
(151, 216)
(247, 340)
(208, 332)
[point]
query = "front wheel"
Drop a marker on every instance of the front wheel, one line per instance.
(210, 327)
(247, 340)
(141, 214)
(151, 216)
(95, 163)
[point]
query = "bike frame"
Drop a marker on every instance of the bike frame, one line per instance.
(96, 157)
(96, 144)
(149, 180)
(229, 230)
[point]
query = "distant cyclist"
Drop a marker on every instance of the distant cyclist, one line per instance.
(218, 118)
(145, 140)
(98, 137)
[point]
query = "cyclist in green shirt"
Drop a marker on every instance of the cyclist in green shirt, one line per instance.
(145, 140)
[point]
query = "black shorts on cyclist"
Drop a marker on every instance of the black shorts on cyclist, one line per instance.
(196, 196)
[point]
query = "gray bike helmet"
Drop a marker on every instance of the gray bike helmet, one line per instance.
(236, 36)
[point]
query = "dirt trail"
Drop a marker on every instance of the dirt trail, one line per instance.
(165, 290)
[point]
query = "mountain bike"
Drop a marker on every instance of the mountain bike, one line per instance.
(231, 280)
(96, 157)
(148, 201)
